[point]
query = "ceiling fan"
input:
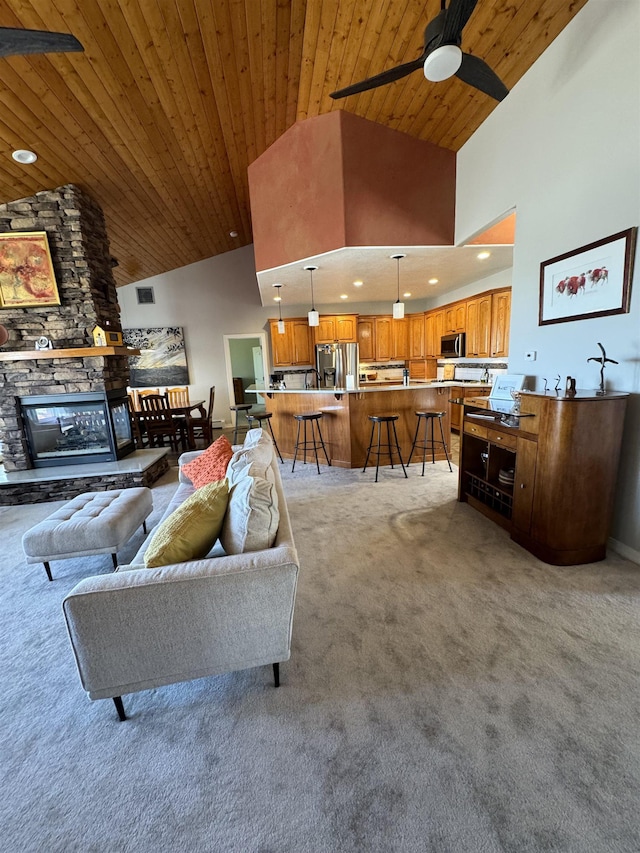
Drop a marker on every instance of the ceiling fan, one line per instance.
(17, 42)
(442, 57)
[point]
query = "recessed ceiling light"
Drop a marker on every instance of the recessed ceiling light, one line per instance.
(482, 256)
(407, 295)
(277, 298)
(24, 156)
(343, 296)
(357, 283)
(433, 281)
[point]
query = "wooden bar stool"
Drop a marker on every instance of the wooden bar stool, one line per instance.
(238, 408)
(381, 449)
(265, 416)
(316, 441)
(427, 442)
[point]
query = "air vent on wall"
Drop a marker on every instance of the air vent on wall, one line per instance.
(145, 295)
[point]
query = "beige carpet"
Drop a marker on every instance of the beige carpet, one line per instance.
(447, 692)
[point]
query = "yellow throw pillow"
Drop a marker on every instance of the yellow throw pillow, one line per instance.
(190, 531)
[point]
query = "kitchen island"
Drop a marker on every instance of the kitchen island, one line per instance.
(345, 424)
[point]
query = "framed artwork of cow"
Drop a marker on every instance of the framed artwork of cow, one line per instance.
(592, 281)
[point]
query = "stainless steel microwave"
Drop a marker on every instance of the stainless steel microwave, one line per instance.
(453, 346)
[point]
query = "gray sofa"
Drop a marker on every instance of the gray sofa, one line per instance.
(141, 628)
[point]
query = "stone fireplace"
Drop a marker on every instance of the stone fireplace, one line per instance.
(79, 247)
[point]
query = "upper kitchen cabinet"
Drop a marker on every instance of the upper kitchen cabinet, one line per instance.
(339, 328)
(416, 336)
(366, 338)
(500, 322)
(295, 346)
(384, 349)
(400, 339)
(434, 326)
(455, 318)
(479, 326)
(391, 339)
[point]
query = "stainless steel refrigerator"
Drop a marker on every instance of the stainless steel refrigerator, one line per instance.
(334, 362)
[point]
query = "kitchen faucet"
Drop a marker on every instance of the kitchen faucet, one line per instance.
(306, 378)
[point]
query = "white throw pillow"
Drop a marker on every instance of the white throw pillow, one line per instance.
(252, 517)
(258, 458)
(256, 436)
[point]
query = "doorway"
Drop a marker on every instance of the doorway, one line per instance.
(246, 362)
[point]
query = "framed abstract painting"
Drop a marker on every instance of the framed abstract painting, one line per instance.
(162, 359)
(27, 279)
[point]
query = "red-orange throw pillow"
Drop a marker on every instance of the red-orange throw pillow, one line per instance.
(210, 465)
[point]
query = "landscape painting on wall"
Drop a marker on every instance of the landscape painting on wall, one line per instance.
(162, 360)
(27, 278)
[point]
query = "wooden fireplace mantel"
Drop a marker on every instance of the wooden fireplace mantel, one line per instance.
(77, 352)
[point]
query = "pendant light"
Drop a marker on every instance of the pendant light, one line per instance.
(398, 307)
(278, 299)
(314, 317)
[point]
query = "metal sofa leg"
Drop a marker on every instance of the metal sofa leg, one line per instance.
(117, 701)
(276, 675)
(47, 569)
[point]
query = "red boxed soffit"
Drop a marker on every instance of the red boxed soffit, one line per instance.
(339, 180)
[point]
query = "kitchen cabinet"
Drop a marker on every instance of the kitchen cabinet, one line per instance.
(400, 335)
(564, 455)
(295, 346)
(416, 336)
(423, 368)
(434, 326)
(384, 339)
(455, 318)
(391, 339)
(500, 322)
(366, 339)
(478, 336)
(461, 392)
(339, 328)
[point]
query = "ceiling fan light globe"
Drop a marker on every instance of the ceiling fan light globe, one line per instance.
(442, 63)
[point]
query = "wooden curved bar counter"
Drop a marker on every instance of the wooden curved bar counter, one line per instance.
(345, 424)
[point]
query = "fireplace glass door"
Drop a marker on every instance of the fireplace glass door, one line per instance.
(74, 428)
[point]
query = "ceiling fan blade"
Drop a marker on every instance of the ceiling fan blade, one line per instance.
(380, 79)
(456, 17)
(477, 73)
(16, 42)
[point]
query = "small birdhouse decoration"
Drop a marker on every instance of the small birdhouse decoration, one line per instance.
(106, 338)
(99, 336)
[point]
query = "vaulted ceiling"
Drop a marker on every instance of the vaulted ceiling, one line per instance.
(171, 100)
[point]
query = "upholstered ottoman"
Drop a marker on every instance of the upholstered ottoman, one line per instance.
(92, 523)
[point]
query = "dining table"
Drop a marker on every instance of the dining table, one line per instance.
(180, 412)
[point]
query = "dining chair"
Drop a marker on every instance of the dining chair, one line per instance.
(178, 396)
(144, 392)
(159, 423)
(137, 424)
(134, 398)
(202, 427)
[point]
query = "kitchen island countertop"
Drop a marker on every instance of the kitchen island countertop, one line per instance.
(368, 387)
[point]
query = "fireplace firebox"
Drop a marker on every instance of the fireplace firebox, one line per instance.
(68, 429)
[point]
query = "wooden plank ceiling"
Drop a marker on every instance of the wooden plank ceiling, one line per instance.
(172, 99)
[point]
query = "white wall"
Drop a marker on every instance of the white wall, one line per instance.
(208, 299)
(564, 149)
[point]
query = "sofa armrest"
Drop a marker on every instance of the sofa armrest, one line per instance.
(182, 460)
(137, 629)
